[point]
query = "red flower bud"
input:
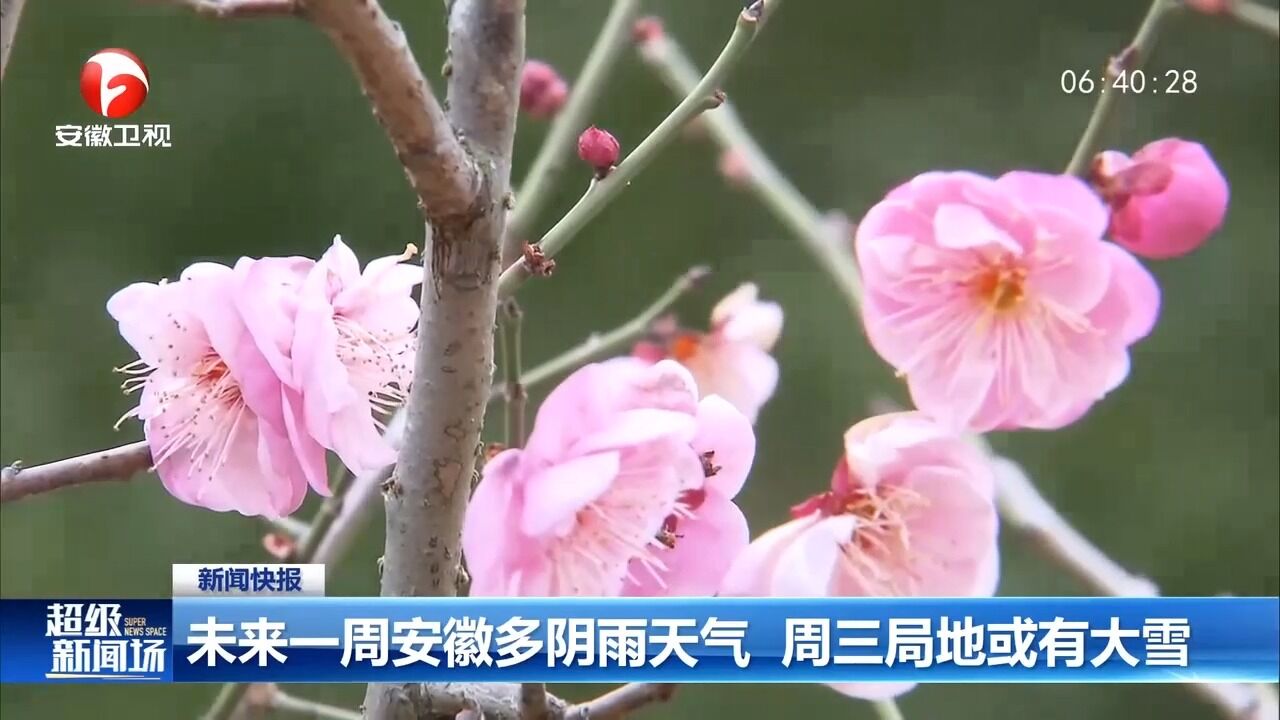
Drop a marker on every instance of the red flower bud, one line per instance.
(598, 149)
(1211, 7)
(646, 30)
(733, 167)
(542, 90)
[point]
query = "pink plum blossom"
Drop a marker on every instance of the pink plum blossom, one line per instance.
(910, 512)
(210, 402)
(248, 374)
(352, 350)
(625, 487)
(1166, 200)
(732, 360)
(998, 300)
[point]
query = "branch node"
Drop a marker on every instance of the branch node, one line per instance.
(537, 261)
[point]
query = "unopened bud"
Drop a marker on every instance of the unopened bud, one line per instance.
(278, 545)
(599, 149)
(733, 168)
(646, 30)
(542, 90)
(1211, 7)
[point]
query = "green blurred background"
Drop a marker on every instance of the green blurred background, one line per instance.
(274, 151)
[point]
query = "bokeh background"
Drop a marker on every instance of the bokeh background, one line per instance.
(274, 151)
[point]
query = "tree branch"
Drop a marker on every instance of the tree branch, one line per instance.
(557, 149)
(887, 709)
(673, 66)
(618, 703)
(358, 504)
(228, 9)
(1130, 58)
(228, 700)
(486, 53)
(534, 703)
(1027, 511)
(513, 390)
(120, 463)
(602, 345)
(439, 168)
(494, 701)
(286, 704)
(600, 193)
(325, 518)
(10, 15)
(426, 497)
(1257, 16)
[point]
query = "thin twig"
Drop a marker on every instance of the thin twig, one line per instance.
(228, 9)
(618, 703)
(1026, 511)
(1257, 16)
(10, 15)
(514, 390)
(330, 510)
(600, 193)
(120, 463)
(1129, 59)
(329, 518)
(557, 149)
(611, 342)
(288, 704)
(359, 503)
(292, 528)
(227, 701)
(770, 186)
(887, 710)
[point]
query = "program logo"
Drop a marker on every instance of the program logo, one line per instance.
(114, 83)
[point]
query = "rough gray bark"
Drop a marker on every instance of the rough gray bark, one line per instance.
(426, 497)
(10, 14)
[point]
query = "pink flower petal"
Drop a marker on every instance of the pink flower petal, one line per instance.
(266, 299)
(704, 549)
(740, 317)
(727, 433)
(556, 493)
(486, 529)
(1058, 194)
(751, 573)
(741, 373)
(636, 427)
(964, 227)
(952, 535)
(1132, 305)
(806, 566)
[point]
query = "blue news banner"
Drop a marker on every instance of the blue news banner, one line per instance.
(711, 640)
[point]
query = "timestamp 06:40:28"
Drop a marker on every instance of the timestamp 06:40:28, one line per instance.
(1136, 82)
